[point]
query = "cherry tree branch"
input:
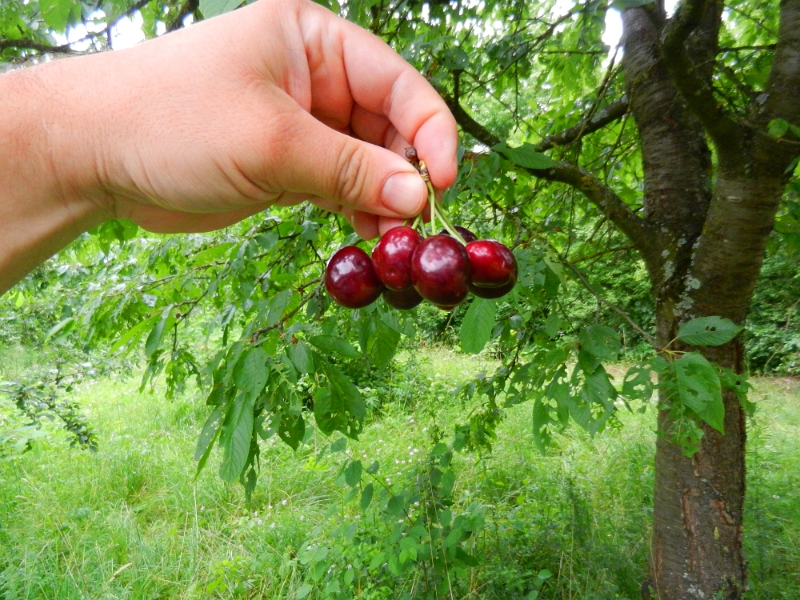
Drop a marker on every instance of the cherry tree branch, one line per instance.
(696, 88)
(598, 193)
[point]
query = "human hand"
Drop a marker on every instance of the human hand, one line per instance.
(278, 102)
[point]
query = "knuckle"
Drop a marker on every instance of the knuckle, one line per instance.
(352, 171)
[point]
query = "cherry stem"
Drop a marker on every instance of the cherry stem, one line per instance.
(419, 224)
(435, 212)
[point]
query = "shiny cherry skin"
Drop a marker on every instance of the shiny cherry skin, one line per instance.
(491, 293)
(465, 233)
(492, 264)
(402, 300)
(440, 270)
(350, 278)
(391, 257)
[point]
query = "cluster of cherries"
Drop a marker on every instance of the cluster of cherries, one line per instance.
(408, 266)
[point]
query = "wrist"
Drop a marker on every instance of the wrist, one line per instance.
(47, 194)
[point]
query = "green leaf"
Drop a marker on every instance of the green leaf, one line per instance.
(708, 331)
(366, 496)
(210, 255)
(699, 388)
(339, 445)
(251, 372)
(395, 506)
(301, 357)
(352, 474)
(277, 305)
(237, 432)
(303, 591)
(638, 383)
(476, 329)
(56, 13)
(209, 432)
(525, 156)
(153, 342)
(333, 344)
(212, 8)
(778, 128)
(134, 332)
(292, 429)
(62, 328)
(207, 437)
(600, 341)
(340, 406)
(382, 345)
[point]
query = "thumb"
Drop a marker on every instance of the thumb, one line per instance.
(322, 162)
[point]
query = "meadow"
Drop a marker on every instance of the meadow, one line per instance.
(131, 520)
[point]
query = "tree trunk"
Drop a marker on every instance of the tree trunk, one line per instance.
(696, 549)
(697, 536)
(712, 241)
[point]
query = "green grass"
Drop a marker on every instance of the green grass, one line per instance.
(130, 521)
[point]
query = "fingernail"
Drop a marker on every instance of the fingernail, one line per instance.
(404, 193)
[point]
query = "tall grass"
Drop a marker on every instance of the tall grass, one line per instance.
(131, 520)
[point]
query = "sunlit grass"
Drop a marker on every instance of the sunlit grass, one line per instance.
(131, 521)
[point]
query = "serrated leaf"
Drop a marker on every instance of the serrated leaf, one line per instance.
(212, 8)
(339, 406)
(476, 329)
(382, 345)
(600, 341)
(366, 496)
(352, 474)
(300, 356)
(699, 388)
(277, 305)
(335, 345)
(708, 331)
(525, 156)
(237, 432)
(251, 372)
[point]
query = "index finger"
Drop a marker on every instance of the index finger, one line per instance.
(383, 83)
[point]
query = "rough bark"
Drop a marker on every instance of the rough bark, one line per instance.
(697, 532)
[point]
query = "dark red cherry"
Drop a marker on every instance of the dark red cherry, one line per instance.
(350, 279)
(490, 293)
(440, 270)
(492, 264)
(403, 300)
(465, 233)
(391, 257)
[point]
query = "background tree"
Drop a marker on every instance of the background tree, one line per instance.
(674, 155)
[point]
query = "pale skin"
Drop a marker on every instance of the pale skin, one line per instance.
(275, 103)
